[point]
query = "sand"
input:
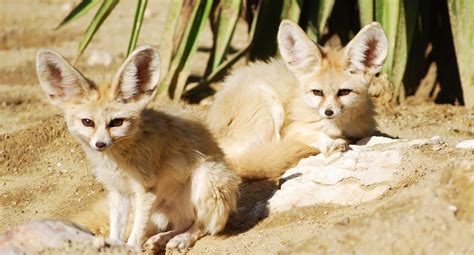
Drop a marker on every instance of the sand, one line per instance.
(44, 174)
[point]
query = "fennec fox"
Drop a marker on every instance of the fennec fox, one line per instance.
(269, 115)
(167, 166)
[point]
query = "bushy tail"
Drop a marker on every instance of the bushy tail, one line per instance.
(270, 160)
(214, 193)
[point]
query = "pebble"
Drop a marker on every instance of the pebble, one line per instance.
(466, 144)
(452, 208)
(99, 242)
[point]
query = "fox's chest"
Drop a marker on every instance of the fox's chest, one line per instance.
(110, 174)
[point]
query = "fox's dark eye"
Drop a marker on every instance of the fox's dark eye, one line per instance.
(317, 92)
(116, 122)
(343, 92)
(87, 122)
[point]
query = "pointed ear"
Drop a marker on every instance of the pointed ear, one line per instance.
(296, 49)
(61, 81)
(138, 77)
(368, 50)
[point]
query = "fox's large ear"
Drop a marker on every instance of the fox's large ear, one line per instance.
(368, 50)
(61, 81)
(138, 77)
(297, 50)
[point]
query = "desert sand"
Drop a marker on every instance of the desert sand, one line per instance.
(44, 174)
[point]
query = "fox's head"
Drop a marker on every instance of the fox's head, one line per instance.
(332, 80)
(101, 115)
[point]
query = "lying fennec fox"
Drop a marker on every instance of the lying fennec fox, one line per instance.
(269, 115)
(168, 166)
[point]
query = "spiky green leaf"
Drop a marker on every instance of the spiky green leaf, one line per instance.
(366, 11)
(220, 70)
(80, 10)
(104, 10)
(225, 27)
(321, 10)
(166, 43)
(462, 23)
(291, 10)
(186, 49)
(137, 24)
(387, 13)
(404, 38)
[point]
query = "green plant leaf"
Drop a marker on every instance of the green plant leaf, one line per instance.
(387, 13)
(321, 10)
(104, 10)
(137, 24)
(225, 26)
(291, 10)
(166, 45)
(404, 38)
(82, 8)
(366, 11)
(462, 23)
(187, 47)
(264, 40)
(220, 70)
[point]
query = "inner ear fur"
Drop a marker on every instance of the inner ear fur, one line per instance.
(138, 77)
(296, 49)
(367, 51)
(59, 79)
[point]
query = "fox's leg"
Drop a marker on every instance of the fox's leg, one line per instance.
(144, 201)
(327, 144)
(119, 205)
(158, 242)
(214, 193)
(178, 216)
(187, 239)
(317, 139)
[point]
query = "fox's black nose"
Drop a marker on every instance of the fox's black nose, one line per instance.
(100, 145)
(328, 113)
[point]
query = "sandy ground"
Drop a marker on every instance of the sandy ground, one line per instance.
(43, 172)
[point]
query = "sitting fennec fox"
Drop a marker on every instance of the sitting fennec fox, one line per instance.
(168, 166)
(269, 115)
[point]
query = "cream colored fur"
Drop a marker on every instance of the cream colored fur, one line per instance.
(270, 115)
(162, 161)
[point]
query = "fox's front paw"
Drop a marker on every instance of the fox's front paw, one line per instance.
(155, 243)
(338, 145)
(330, 146)
(180, 243)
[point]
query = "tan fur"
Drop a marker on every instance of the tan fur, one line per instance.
(162, 161)
(267, 116)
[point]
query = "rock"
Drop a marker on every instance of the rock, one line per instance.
(55, 237)
(361, 174)
(466, 144)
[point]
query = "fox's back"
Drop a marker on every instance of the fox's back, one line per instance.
(171, 141)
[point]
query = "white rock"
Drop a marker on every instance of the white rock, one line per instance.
(369, 173)
(466, 144)
(374, 140)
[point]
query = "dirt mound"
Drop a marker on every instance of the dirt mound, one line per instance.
(44, 174)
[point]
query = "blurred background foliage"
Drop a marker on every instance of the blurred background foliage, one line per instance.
(430, 41)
